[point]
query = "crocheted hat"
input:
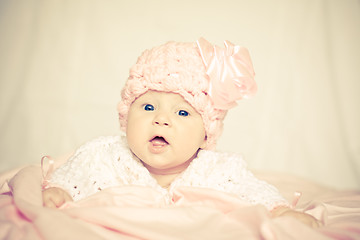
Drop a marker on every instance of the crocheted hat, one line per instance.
(208, 77)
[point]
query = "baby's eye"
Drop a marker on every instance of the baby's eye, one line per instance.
(149, 107)
(183, 113)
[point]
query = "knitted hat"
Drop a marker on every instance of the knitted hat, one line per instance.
(209, 78)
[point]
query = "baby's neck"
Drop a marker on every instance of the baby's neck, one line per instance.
(165, 177)
(165, 180)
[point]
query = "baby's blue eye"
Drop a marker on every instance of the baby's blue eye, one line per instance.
(149, 107)
(183, 113)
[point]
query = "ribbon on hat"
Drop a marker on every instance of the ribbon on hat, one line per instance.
(230, 71)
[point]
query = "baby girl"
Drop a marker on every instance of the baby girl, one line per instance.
(172, 110)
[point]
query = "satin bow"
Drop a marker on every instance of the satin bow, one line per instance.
(230, 71)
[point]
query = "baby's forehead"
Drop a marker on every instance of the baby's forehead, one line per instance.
(164, 96)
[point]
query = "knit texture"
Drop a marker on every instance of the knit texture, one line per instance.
(107, 162)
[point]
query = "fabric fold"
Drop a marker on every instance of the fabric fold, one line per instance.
(134, 212)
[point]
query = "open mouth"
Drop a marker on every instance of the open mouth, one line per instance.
(159, 141)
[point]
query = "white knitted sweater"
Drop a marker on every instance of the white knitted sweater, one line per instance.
(107, 162)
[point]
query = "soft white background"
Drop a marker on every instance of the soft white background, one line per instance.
(63, 63)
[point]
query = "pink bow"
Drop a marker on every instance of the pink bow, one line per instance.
(230, 71)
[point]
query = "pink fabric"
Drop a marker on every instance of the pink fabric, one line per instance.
(230, 71)
(139, 213)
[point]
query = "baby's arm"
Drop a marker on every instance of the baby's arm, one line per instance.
(89, 170)
(54, 197)
(260, 192)
(301, 216)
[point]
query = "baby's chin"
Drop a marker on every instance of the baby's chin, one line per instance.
(160, 168)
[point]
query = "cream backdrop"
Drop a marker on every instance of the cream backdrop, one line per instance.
(63, 63)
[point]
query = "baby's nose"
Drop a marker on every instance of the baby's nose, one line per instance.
(162, 120)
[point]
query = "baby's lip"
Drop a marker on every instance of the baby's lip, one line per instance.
(158, 141)
(158, 144)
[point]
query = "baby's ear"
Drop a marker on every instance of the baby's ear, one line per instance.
(204, 144)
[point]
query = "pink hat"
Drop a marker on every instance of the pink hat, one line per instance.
(208, 77)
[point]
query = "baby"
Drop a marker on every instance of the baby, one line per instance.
(172, 110)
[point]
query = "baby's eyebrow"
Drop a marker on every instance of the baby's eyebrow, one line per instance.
(146, 100)
(185, 106)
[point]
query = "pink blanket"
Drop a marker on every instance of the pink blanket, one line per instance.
(138, 213)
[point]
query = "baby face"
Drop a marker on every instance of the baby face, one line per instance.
(164, 132)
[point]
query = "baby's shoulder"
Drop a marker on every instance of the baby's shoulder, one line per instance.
(102, 143)
(106, 148)
(222, 171)
(214, 163)
(102, 150)
(221, 159)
